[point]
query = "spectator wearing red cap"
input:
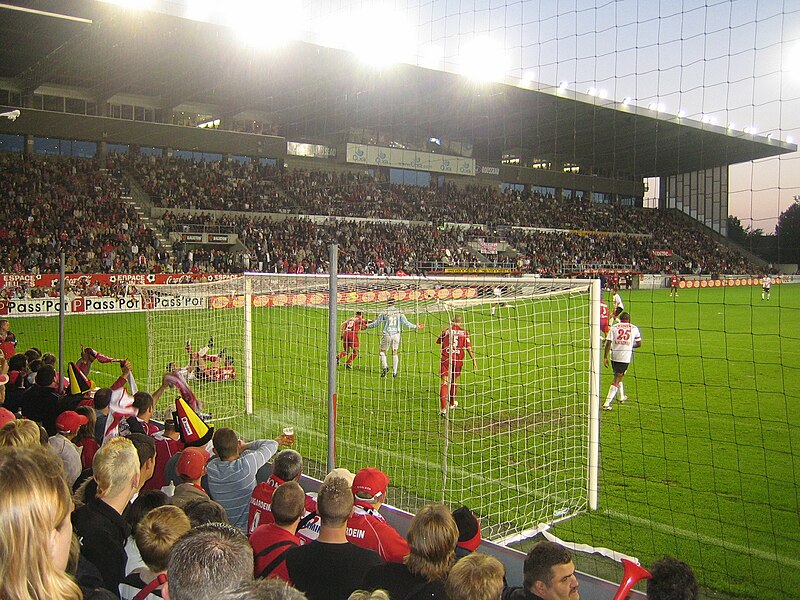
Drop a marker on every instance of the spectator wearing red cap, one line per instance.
(367, 527)
(67, 425)
(271, 541)
(6, 416)
(191, 467)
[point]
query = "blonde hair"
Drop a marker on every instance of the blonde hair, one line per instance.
(35, 502)
(157, 533)
(365, 595)
(475, 577)
(20, 433)
(115, 465)
(432, 539)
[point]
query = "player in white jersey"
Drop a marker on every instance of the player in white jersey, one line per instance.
(622, 339)
(618, 306)
(766, 284)
(393, 322)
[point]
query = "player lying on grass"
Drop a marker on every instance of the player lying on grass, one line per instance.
(204, 366)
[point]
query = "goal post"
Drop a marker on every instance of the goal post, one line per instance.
(520, 449)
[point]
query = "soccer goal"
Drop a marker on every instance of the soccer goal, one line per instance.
(519, 449)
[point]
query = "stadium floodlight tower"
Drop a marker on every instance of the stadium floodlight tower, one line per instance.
(520, 449)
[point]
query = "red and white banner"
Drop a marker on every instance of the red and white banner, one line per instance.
(43, 307)
(51, 280)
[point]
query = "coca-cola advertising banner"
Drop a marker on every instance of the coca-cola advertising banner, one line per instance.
(51, 280)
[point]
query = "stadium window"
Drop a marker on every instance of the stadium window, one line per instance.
(11, 143)
(53, 103)
(38, 101)
(601, 198)
(91, 108)
(150, 151)
(76, 106)
(82, 149)
(138, 113)
(46, 146)
(514, 187)
(543, 191)
(127, 112)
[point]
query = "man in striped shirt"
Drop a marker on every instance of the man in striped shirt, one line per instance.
(232, 472)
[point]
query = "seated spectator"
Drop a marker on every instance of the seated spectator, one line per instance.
(202, 511)
(35, 528)
(271, 541)
(232, 472)
(99, 522)
(207, 562)
(367, 527)
(476, 577)
(548, 573)
(672, 579)
(67, 425)
(20, 433)
(286, 466)
(155, 536)
(432, 541)
(330, 567)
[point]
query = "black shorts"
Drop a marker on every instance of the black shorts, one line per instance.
(766, 289)
(619, 368)
(618, 311)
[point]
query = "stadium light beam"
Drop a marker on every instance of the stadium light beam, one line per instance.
(263, 24)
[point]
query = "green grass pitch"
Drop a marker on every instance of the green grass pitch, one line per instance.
(703, 462)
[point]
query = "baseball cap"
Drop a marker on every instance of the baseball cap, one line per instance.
(192, 463)
(6, 416)
(370, 481)
(69, 421)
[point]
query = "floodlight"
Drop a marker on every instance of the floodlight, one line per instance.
(431, 57)
(592, 91)
(789, 139)
(138, 4)
(652, 106)
(200, 10)
(705, 119)
(626, 101)
(603, 94)
(731, 125)
(661, 108)
(483, 59)
(264, 24)
(563, 85)
(681, 114)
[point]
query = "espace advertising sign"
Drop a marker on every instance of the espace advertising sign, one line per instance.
(98, 305)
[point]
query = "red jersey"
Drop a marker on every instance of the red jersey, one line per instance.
(368, 529)
(674, 281)
(352, 326)
(269, 543)
(166, 448)
(226, 373)
(261, 501)
(455, 341)
(604, 314)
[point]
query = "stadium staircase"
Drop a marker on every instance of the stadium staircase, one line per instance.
(140, 200)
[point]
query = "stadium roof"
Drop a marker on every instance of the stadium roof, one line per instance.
(318, 94)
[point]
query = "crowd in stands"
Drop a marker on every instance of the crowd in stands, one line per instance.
(54, 205)
(74, 205)
(193, 513)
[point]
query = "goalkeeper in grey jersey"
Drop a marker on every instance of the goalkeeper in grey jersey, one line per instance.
(393, 322)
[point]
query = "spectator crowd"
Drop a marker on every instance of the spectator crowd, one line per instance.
(101, 501)
(76, 206)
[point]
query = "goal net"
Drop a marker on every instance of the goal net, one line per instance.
(516, 450)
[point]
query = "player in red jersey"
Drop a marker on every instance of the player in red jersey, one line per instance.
(350, 329)
(604, 315)
(674, 282)
(455, 343)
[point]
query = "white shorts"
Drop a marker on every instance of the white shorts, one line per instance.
(390, 340)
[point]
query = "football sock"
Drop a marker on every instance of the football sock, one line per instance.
(395, 362)
(612, 391)
(444, 391)
(453, 391)
(384, 365)
(621, 390)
